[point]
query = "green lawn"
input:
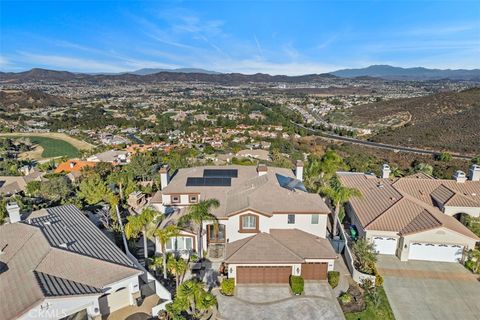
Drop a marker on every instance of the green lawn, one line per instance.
(383, 312)
(55, 147)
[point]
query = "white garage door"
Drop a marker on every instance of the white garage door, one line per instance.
(385, 245)
(435, 252)
(114, 301)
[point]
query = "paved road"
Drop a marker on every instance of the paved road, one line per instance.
(378, 145)
(430, 290)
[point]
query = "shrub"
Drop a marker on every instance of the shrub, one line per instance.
(296, 283)
(378, 280)
(345, 298)
(228, 287)
(333, 278)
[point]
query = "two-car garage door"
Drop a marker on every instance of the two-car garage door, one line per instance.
(435, 252)
(264, 274)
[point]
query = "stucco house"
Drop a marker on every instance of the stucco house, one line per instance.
(55, 263)
(415, 217)
(267, 225)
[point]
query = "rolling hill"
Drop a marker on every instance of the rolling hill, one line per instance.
(443, 121)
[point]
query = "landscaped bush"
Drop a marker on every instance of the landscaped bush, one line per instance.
(378, 280)
(345, 298)
(296, 283)
(333, 278)
(228, 287)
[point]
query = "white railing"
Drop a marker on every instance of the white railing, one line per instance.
(358, 276)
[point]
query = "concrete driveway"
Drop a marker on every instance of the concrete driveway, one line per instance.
(430, 290)
(276, 302)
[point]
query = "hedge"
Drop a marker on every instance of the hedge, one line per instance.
(333, 278)
(296, 283)
(228, 287)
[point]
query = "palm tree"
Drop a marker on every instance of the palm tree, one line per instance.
(339, 195)
(140, 223)
(177, 267)
(156, 263)
(163, 235)
(195, 300)
(198, 213)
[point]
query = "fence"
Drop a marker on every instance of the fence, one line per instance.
(358, 277)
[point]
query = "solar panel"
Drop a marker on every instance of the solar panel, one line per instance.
(208, 182)
(221, 173)
(290, 183)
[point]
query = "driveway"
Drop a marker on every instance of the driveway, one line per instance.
(429, 290)
(276, 302)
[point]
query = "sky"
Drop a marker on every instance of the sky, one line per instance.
(275, 37)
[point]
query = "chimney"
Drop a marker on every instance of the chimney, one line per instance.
(72, 164)
(262, 169)
(164, 178)
(459, 176)
(13, 212)
(474, 172)
(299, 170)
(386, 171)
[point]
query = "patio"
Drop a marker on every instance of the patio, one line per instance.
(142, 312)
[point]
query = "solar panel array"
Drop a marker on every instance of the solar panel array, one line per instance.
(290, 183)
(208, 182)
(221, 173)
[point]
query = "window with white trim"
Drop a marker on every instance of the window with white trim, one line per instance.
(291, 219)
(249, 222)
(315, 218)
(179, 243)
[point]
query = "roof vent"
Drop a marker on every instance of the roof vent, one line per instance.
(63, 245)
(474, 172)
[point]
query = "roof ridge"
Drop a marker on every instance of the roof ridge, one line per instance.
(384, 211)
(279, 242)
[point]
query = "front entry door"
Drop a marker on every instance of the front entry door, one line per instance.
(216, 233)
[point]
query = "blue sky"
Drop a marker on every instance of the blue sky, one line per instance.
(276, 37)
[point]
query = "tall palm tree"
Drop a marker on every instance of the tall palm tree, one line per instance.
(198, 213)
(163, 235)
(141, 223)
(177, 267)
(339, 195)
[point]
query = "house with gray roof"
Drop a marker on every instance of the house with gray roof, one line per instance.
(263, 211)
(415, 217)
(55, 263)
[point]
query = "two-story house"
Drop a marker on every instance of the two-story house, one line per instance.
(267, 226)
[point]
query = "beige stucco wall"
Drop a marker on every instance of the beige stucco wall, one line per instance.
(451, 211)
(439, 235)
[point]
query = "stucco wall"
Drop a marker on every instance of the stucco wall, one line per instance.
(439, 235)
(57, 308)
(451, 211)
(277, 221)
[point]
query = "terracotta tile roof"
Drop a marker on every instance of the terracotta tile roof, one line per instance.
(74, 166)
(279, 246)
(405, 205)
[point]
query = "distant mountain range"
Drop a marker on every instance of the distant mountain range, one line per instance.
(164, 76)
(419, 73)
(145, 71)
(149, 75)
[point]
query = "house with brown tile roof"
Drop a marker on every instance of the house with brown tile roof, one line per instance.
(414, 217)
(56, 263)
(261, 207)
